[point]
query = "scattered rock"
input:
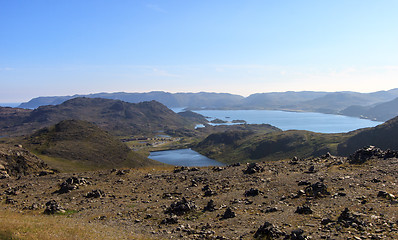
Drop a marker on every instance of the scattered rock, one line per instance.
(95, 194)
(348, 219)
(303, 210)
(228, 214)
(252, 192)
(268, 231)
(368, 152)
(296, 235)
(253, 168)
(210, 207)
(52, 207)
(181, 207)
(317, 189)
(170, 220)
(71, 183)
(386, 195)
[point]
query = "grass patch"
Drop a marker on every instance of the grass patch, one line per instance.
(14, 225)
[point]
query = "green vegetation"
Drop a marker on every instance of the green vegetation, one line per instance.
(383, 136)
(78, 145)
(241, 146)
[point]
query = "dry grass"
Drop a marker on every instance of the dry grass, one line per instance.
(15, 225)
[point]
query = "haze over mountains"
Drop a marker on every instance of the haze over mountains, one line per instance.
(380, 106)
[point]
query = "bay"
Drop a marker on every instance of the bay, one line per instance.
(310, 121)
(183, 157)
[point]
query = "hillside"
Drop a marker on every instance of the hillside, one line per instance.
(78, 144)
(379, 112)
(18, 161)
(115, 116)
(243, 146)
(383, 136)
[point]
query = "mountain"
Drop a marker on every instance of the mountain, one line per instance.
(118, 117)
(279, 100)
(75, 144)
(378, 112)
(171, 100)
(383, 136)
(325, 102)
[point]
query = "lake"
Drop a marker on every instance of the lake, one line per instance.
(183, 157)
(316, 122)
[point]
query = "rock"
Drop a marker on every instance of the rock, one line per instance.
(311, 169)
(252, 192)
(348, 219)
(210, 206)
(294, 161)
(318, 189)
(386, 195)
(303, 183)
(362, 155)
(180, 169)
(228, 214)
(303, 210)
(209, 193)
(296, 235)
(52, 207)
(170, 220)
(71, 183)
(253, 168)
(122, 172)
(326, 221)
(217, 169)
(181, 207)
(268, 231)
(271, 209)
(95, 194)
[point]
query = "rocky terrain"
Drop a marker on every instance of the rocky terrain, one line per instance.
(325, 197)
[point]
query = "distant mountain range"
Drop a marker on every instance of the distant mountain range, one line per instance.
(380, 106)
(115, 116)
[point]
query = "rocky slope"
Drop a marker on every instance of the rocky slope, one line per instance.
(17, 161)
(319, 198)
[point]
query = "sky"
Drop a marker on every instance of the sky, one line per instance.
(53, 48)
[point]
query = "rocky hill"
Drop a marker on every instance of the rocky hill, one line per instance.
(18, 161)
(75, 144)
(118, 117)
(382, 136)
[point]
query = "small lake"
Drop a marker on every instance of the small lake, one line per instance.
(310, 121)
(183, 157)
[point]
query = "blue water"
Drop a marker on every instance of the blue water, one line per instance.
(316, 122)
(183, 157)
(9, 104)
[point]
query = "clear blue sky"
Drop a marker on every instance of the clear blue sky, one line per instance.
(85, 46)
